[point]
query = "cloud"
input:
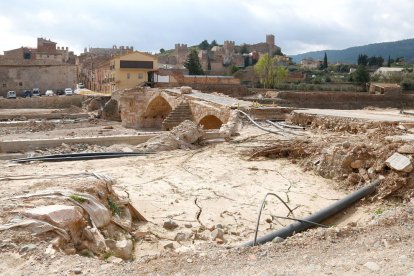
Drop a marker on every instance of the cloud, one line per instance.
(299, 25)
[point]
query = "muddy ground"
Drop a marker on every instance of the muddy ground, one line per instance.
(221, 184)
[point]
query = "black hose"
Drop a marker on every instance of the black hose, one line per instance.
(78, 156)
(318, 216)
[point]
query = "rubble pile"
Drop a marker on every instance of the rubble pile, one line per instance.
(360, 156)
(180, 137)
(85, 217)
(44, 125)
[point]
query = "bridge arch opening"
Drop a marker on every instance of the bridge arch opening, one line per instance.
(156, 112)
(210, 122)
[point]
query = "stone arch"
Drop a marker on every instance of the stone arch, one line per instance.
(156, 112)
(210, 122)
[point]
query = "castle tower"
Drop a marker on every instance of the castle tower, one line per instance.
(181, 52)
(270, 39)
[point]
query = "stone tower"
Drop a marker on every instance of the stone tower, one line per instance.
(270, 41)
(228, 47)
(181, 52)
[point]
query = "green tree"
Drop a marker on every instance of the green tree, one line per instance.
(244, 49)
(360, 75)
(234, 69)
(269, 73)
(162, 50)
(193, 63)
(325, 61)
(213, 43)
(204, 45)
(389, 61)
(363, 60)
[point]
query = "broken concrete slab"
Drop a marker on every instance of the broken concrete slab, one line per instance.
(62, 216)
(399, 162)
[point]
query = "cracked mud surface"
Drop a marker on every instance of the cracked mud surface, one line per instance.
(217, 184)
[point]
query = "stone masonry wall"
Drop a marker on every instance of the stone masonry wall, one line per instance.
(18, 78)
(42, 102)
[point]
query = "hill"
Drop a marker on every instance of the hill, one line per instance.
(401, 48)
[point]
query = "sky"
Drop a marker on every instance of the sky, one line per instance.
(298, 25)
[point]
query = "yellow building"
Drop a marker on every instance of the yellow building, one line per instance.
(130, 70)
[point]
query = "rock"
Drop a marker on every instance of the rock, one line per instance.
(94, 104)
(278, 240)
(167, 245)
(407, 148)
(346, 145)
(188, 225)
(219, 226)
(183, 249)
(217, 234)
(111, 111)
(27, 248)
(186, 89)
(139, 234)
(182, 236)
(121, 249)
(115, 260)
(399, 162)
(126, 149)
(61, 216)
(411, 273)
(77, 270)
(372, 266)
(219, 241)
(357, 164)
(108, 127)
(170, 225)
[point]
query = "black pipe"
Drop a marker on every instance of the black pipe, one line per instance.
(78, 156)
(318, 216)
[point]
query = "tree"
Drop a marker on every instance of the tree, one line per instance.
(162, 50)
(389, 61)
(204, 45)
(363, 60)
(244, 49)
(193, 63)
(360, 75)
(269, 73)
(213, 43)
(325, 61)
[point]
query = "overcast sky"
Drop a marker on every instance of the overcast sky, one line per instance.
(298, 25)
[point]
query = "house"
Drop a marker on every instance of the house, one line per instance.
(126, 71)
(387, 71)
(310, 63)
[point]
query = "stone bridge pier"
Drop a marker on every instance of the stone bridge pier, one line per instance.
(162, 109)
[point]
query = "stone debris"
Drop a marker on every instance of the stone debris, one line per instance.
(406, 149)
(62, 216)
(170, 225)
(217, 234)
(98, 221)
(399, 162)
(186, 90)
(181, 136)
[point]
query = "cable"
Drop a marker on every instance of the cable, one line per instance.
(260, 213)
(259, 126)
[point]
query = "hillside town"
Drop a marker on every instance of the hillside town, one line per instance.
(221, 157)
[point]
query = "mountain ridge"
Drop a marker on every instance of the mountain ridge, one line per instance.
(400, 48)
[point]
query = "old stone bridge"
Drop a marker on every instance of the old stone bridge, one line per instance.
(165, 108)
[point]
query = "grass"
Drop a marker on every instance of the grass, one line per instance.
(78, 198)
(114, 207)
(378, 211)
(107, 255)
